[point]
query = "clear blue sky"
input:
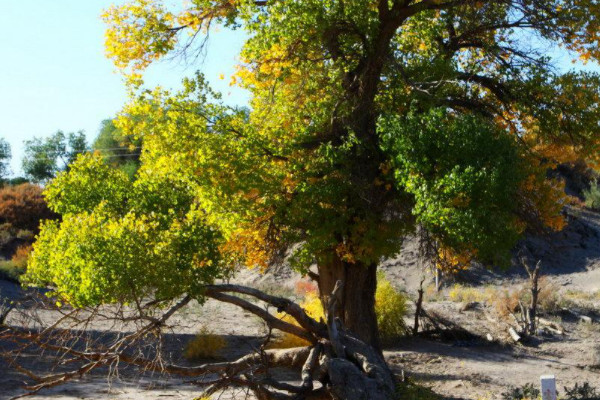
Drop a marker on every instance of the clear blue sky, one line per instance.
(54, 75)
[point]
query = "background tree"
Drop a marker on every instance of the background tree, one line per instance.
(5, 157)
(44, 157)
(117, 150)
(367, 119)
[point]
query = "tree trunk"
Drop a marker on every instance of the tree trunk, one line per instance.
(357, 308)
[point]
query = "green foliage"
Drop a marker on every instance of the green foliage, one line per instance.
(584, 391)
(112, 248)
(118, 150)
(5, 157)
(10, 271)
(526, 392)
(592, 196)
(465, 179)
(45, 157)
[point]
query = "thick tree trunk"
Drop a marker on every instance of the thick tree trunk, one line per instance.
(357, 308)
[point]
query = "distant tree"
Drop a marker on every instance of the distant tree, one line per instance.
(24, 207)
(118, 150)
(44, 157)
(5, 156)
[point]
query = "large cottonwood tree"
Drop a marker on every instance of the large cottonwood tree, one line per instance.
(367, 118)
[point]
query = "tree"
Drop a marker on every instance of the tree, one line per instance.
(5, 157)
(119, 151)
(44, 157)
(367, 119)
(23, 207)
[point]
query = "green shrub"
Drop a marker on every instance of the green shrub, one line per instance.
(525, 392)
(11, 272)
(581, 392)
(592, 196)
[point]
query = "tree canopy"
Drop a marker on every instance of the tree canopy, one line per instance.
(367, 119)
(117, 150)
(45, 157)
(5, 157)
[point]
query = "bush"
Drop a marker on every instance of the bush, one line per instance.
(581, 392)
(592, 196)
(549, 299)
(19, 259)
(390, 307)
(205, 345)
(10, 272)
(23, 207)
(526, 392)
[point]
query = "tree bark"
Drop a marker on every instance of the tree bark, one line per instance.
(357, 307)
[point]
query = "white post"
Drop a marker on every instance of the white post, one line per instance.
(548, 387)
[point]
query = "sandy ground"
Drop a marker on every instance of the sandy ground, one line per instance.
(474, 369)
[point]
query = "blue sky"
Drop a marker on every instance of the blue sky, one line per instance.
(54, 75)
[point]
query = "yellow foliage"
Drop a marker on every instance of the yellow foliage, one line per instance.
(390, 308)
(204, 345)
(467, 294)
(449, 260)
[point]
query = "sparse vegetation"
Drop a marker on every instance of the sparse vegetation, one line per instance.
(206, 345)
(592, 196)
(409, 390)
(390, 307)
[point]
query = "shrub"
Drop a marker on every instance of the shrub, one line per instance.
(467, 294)
(390, 307)
(525, 392)
(19, 259)
(23, 206)
(205, 345)
(592, 196)
(10, 272)
(549, 299)
(581, 392)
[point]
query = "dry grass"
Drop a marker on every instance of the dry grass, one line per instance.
(205, 345)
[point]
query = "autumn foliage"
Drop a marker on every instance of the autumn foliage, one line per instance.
(23, 206)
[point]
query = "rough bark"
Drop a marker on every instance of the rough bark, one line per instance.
(356, 310)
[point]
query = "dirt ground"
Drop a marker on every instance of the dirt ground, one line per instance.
(476, 368)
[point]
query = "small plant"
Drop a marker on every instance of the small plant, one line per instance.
(19, 259)
(205, 345)
(592, 196)
(10, 272)
(525, 392)
(408, 390)
(581, 392)
(390, 307)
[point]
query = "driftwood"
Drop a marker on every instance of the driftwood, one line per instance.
(514, 335)
(335, 365)
(552, 326)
